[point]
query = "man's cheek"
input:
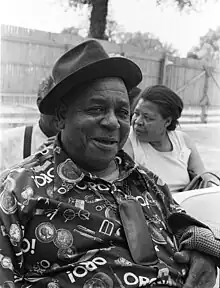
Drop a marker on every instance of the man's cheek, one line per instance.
(123, 138)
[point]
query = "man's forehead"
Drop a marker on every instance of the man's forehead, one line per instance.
(112, 84)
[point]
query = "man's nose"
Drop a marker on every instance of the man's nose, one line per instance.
(110, 121)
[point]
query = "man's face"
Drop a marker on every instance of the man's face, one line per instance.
(97, 124)
(147, 122)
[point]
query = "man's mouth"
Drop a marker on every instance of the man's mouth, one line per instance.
(106, 141)
(105, 144)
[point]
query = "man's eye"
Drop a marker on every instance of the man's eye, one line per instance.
(97, 109)
(124, 112)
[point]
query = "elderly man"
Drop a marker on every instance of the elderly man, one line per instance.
(20, 142)
(80, 213)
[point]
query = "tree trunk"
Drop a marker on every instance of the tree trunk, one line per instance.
(98, 19)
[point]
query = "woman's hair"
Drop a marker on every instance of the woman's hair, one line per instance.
(167, 101)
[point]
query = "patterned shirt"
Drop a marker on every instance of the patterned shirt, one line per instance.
(60, 226)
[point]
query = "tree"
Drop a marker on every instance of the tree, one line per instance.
(112, 30)
(71, 30)
(182, 4)
(208, 48)
(146, 42)
(99, 12)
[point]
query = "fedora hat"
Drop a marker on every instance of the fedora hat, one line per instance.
(86, 62)
(44, 87)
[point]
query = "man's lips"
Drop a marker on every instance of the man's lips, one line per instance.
(106, 141)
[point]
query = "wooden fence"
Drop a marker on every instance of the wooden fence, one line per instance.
(27, 56)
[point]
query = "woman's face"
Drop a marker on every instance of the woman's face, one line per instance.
(148, 124)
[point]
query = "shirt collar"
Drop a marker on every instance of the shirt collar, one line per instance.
(67, 171)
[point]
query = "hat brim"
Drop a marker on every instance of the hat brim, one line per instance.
(119, 67)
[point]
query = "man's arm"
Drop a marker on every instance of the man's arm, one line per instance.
(11, 255)
(199, 245)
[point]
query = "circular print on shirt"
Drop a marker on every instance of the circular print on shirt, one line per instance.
(7, 263)
(15, 233)
(99, 280)
(64, 239)
(27, 193)
(53, 285)
(69, 172)
(66, 254)
(8, 284)
(8, 202)
(45, 232)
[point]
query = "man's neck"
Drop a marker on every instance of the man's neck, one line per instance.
(107, 173)
(104, 173)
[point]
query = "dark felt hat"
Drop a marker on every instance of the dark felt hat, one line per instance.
(83, 63)
(44, 87)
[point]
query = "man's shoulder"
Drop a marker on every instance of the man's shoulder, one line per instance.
(27, 168)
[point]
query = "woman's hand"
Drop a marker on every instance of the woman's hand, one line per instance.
(211, 180)
(202, 270)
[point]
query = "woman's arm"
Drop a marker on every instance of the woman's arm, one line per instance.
(195, 162)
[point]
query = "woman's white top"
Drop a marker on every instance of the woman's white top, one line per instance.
(171, 166)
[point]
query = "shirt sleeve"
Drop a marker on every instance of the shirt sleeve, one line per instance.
(190, 232)
(11, 255)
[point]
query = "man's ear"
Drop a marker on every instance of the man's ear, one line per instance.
(61, 113)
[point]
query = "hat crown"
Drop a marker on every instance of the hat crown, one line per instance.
(78, 57)
(83, 63)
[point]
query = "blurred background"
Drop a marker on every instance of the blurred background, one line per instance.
(175, 43)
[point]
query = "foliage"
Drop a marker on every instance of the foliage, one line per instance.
(146, 42)
(209, 46)
(71, 30)
(75, 3)
(99, 13)
(182, 4)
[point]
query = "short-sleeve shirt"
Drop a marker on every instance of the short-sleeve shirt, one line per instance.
(172, 166)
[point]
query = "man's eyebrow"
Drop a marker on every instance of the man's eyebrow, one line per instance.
(123, 102)
(98, 99)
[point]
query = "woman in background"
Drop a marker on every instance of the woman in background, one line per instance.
(154, 141)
